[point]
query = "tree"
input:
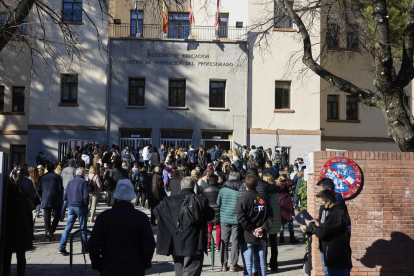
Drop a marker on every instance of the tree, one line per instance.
(378, 42)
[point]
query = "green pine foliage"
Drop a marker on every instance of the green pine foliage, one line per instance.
(303, 197)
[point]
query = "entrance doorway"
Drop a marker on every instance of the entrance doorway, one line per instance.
(211, 138)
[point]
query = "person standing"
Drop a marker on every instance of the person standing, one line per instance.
(50, 189)
(227, 200)
(146, 155)
(77, 196)
(175, 183)
(94, 193)
(17, 231)
(162, 151)
(274, 202)
(186, 246)
(129, 253)
(116, 174)
(255, 217)
(154, 157)
(269, 169)
(334, 233)
(211, 193)
(155, 192)
(286, 208)
(191, 158)
(277, 160)
(39, 160)
(67, 175)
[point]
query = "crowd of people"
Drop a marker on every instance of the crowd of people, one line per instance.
(242, 194)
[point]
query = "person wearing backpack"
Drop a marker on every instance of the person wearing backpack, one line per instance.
(140, 185)
(182, 228)
(260, 158)
(202, 158)
(95, 188)
(191, 158)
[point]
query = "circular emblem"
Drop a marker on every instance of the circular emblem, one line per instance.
(345, 173)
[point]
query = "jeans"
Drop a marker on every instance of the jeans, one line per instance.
(256, 250)
(276, 167)
(325, 268)
(339, 271)
(146, 163)
(210, 227)
(153, 203)
(93, 201)
(226, 229)
(21, 262)
(143, 195)
(51, 227)
(290, 222)
(73, 214)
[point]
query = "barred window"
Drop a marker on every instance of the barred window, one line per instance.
(136, 92)
(69, 86)
(280, 19)
(177, 93)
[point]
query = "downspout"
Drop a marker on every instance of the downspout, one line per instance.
(108, 91)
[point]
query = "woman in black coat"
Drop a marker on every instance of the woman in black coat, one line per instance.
(18, 235)
(154, 157)
(211, 193)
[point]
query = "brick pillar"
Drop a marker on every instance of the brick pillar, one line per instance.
(382, 214)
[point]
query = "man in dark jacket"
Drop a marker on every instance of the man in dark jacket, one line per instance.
(334, 233)
(263, 188)
(269, 169)
(156, 192)
(18, 233)
(162, 151)
(50, 189)
(116, 174)
(77, 196)
(186, 246)
(211, 193)
(255, 217)
(328, 184)
(192, 158)
(122, 242)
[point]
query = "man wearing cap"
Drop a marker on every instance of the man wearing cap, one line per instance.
(77, 196)
(122, 242)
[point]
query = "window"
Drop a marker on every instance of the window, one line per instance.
(3, 19)
(1, 98)
(332, 36)
(69, 86)
(282, 97)
(137, 17)
(222, 31)
(333, 102)
(72, 10)
(281, 20)
(352, 37)
(18, 99)
(217, 93)
(18, 154)
(136, 92)
(179, 25)
(351, 108)
(177, 93)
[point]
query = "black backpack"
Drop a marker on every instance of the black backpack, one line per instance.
(92, 187)
(191, 210)
(260, 158)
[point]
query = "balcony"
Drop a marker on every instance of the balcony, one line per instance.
(177, 32)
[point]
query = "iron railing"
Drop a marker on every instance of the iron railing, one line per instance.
(177, 32)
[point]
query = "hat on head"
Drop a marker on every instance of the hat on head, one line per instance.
(40, 167)
(124, 190)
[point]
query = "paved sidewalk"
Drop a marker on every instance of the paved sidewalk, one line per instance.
(44, 258)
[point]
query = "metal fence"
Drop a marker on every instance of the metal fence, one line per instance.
(135, 142)
(177, 32)
(185, 143)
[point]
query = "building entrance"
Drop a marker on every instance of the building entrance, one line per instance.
(222, 138)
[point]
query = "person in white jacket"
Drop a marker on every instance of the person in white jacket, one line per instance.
(146, 155)
(85, 157)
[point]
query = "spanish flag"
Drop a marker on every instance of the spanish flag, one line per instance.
(164, 18)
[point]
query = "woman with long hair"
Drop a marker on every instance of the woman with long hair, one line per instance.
(97, 159)
(58, 169)
(93, 194)
(27, 188)
(251, 163)
(34, 177)
(274, 202)
(286, 208)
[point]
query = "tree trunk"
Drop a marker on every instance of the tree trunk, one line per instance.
(399, 119)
